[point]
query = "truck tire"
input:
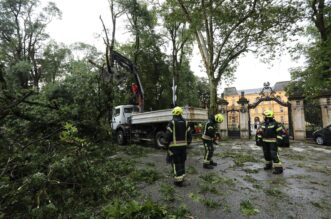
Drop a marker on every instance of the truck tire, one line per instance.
(120, 138)
(160, 139)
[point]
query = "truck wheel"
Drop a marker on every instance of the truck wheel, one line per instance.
(120, 137)
(160, 139)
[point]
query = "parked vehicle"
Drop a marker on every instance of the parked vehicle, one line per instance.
(323, 136)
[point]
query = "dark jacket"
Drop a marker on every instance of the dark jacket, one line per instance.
(178, 132)
(270, 131)
(210, 129)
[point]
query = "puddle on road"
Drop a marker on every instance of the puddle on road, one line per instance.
(321, 150)
(254, 147)
(298, 149)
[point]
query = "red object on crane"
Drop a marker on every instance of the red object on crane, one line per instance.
(134, 88)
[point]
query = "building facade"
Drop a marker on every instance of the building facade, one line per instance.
(232, 95)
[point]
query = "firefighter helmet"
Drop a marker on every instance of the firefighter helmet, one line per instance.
(219, 118)
(177, 111)
(268, 114)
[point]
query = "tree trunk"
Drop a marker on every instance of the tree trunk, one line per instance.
(213, 96)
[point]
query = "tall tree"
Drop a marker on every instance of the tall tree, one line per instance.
(53, 63)
(22, 28)
(145, 51)
(226, 29)
(314, 79)
(179, 35)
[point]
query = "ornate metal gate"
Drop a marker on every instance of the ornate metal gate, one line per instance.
(268, 94)
(233, 123)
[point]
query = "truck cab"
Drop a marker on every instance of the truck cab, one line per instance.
(122, 114)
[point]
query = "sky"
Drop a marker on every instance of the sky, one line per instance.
(80, 23)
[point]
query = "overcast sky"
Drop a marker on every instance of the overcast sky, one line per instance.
(80, 23)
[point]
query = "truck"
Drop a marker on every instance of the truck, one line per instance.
(130, 124)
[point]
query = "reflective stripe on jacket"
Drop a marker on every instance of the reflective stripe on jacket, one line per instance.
(178, 132)
(271, 131)
(209, 131)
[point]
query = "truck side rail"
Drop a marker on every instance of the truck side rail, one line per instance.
(191, 114)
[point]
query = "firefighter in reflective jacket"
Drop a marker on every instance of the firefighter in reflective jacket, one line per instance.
(208, 138)
(270, 132)
(178, 133)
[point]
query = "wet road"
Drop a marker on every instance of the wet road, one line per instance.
(239, 187)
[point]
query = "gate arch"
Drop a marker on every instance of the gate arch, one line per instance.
(268, 94)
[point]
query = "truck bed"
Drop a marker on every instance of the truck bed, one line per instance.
(191, 114)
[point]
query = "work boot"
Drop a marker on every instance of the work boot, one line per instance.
(278, 170)
(213, 163)
(179, 184)
(207, 166)
(268, 166)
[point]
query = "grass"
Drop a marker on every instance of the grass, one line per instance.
(294, 156)
(274, 193)
(167, 192)
(205, 201)
(191, 170)
(319, 183)
(135, 150)
(205, 188)
(320, 169)
(322, 204)
(150, 164)
(146, 175)
(239, 158)
(195, 197)
(251, 171)
(278, 181)
(250, 179)
(209, 203)
(248, 209)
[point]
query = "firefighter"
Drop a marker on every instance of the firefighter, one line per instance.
(270, 134)
(177, 136)
(208, 138)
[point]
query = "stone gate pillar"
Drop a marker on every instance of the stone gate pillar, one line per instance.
(222, 108)
(243, 117)
(298, 118)
(325, 103)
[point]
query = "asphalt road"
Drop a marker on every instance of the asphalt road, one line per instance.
(239, 187)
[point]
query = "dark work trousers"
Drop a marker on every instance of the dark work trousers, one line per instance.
(270, 152)
(209, 151)
(178, 158)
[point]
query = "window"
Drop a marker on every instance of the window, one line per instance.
(281, 109)
(117, 112)
(131, 109)
(282, 119)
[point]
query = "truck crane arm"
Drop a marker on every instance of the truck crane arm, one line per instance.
(128, 65)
